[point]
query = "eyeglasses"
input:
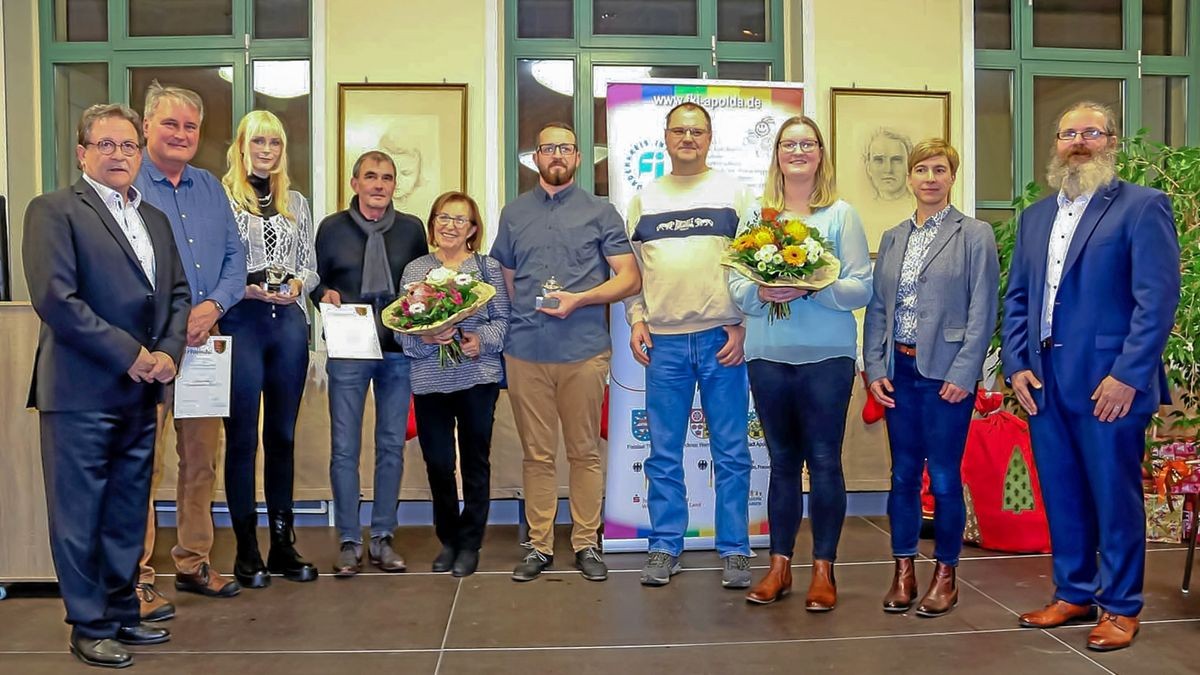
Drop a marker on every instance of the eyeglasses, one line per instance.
(447, 219)
(564, 149)
(1089, 134)
(108, 147)
(680, 132)
(804, 146)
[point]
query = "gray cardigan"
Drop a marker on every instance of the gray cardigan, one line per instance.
(957, 294)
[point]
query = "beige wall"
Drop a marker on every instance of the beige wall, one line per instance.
(22, 108)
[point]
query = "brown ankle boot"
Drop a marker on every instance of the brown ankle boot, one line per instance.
(775, 585)
(903, 592)
(822, 592)
(943, 592)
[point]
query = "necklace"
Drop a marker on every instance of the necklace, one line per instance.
(264, 201)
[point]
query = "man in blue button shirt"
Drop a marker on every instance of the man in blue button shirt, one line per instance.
(215, 264)
(558, 350)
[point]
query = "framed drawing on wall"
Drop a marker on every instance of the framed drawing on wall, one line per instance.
(872, 132)
(422, 127)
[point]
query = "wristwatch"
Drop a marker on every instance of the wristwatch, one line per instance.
(220, 308)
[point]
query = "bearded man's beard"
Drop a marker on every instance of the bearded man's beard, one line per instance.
(1084, 177)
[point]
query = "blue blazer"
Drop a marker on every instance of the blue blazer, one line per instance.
(1115, 305)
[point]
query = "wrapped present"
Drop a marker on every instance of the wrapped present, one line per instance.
(1174, 467)
(1164, 519)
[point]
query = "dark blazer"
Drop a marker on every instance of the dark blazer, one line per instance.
(96, 305)
(957, 297)
(1115, 304)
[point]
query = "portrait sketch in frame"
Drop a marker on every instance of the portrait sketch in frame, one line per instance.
(871, 134)
(423, 127)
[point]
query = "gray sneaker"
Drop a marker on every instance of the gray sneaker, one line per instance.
(737, 572)
(384, 556)
(660, 567)
(349, 561)
(590, 564)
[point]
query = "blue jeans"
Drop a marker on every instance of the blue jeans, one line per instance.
(678, 363)
(803, 413)
(348, 380)
(924, 428)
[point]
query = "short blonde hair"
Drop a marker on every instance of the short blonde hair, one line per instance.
(824, 184)
(933, 147)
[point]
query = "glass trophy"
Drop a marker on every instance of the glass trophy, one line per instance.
(550, 286)
(276, 281)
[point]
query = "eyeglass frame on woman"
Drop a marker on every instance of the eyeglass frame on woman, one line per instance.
(564, 149)
(459, 221)
(113, 145)
(1089, 134)
(811, 145)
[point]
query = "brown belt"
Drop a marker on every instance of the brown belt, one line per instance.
(907, 350)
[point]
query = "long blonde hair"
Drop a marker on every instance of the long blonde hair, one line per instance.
(824, 187)
(236, 179)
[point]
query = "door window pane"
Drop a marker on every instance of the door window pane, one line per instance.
(152, 18)
(1078, 24)
(1164, 109)
(280, 19)
(993, 135)
(214, 84)
(993, 24)
(742, 20)
(1051, 96)
(545, 93)
(283, 87)
(639, 17)
(602, 75)
(81, 20)
(76, 86)
(741, 70)
(545, 19)
(993, 216)
(1164, 27)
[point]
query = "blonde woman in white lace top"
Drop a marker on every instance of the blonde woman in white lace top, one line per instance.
(270, 345)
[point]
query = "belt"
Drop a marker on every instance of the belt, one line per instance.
(907, 350)
(1047, 344)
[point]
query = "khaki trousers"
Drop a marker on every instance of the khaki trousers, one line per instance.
(198, 446)
(545, 397)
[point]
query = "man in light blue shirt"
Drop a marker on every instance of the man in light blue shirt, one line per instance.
(215, 264)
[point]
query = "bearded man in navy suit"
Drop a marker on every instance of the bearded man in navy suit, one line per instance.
(1091, 301)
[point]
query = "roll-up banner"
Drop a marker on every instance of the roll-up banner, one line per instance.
(745, 118)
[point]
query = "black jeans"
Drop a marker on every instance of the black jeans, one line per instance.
(803, 413)
(473, 411)
(270, 365)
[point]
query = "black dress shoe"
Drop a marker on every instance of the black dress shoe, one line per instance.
(466, 563)
(141, 634)
(106, 653)
(445, 560)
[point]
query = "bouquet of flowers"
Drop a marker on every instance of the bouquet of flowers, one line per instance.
(441, 300)
(782, 254)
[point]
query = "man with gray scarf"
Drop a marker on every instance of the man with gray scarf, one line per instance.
(361, 253)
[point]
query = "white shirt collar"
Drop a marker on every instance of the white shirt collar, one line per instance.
(110, 196)
(1084, 198)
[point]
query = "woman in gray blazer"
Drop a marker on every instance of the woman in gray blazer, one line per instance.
(925, 336)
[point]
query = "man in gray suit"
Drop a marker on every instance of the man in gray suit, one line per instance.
(105, 278)
(925, 337)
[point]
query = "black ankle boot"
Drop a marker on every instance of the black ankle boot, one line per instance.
(248, 567)
(283, 558)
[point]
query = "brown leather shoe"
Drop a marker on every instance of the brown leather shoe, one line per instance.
(1058, 613)
(822, 591)
(775, 585)
(207, 581)
(942, 595)
(154, 607)
(1113, 632)
(903, 593)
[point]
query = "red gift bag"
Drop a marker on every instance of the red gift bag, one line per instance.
(1000, 478)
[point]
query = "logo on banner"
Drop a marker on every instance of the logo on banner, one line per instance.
(644, 162)
(754, 427)
(639, 424)
(697, 424)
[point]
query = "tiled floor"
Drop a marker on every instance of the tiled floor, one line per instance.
(419, 622)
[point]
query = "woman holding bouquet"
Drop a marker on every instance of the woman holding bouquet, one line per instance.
(801, 364)
(925, 336)
(270, 345)
(458, 393)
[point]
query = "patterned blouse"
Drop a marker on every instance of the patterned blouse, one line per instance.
(278, 241)
(919, 239)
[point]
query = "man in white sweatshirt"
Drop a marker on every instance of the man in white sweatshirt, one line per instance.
(687, 331)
